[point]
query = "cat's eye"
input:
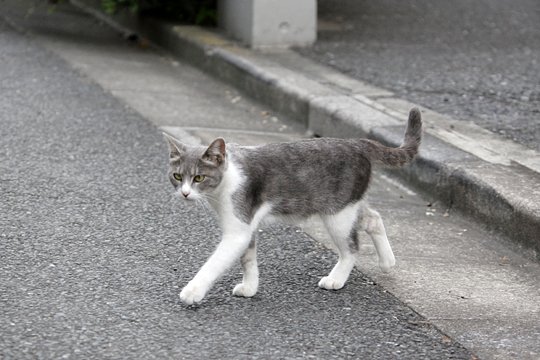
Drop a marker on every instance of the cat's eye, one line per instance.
(198, 178)
(177, 176)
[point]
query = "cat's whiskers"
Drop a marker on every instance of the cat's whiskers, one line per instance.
(213, 198)
(204, 206)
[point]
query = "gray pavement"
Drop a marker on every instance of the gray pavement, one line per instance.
(474, 61)
(96, 265)
(95, 249)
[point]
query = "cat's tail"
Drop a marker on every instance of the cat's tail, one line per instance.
(409, 148)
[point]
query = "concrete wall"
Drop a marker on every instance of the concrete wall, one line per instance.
(269, 23)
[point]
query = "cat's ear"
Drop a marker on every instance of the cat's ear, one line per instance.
(216, 151)
(176, 148)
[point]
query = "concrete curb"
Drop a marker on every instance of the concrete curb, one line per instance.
(498, 189)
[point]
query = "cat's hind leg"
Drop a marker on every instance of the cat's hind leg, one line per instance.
(342, 228)
(250, 282)
(371, 222)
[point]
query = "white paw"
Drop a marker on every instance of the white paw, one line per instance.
(387, 264)
(244, 290)
(330, 284)
(192, 294)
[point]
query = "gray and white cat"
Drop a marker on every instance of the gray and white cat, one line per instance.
(249, 186)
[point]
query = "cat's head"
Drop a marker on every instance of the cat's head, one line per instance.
(196, 171)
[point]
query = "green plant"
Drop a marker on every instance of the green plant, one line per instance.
(200, 12)
(113, 6)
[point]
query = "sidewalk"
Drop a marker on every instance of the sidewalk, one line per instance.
(465, 280)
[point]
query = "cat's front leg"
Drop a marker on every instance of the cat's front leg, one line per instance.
(250, 282)
(232, 245)
(193, 293)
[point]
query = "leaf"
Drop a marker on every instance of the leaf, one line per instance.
(206, 15)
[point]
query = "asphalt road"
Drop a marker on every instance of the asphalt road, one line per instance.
(476, 61)
(95, 249)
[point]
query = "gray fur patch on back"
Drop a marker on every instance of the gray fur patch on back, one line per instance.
(301, 179)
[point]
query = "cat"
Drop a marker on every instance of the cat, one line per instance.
(249, 186)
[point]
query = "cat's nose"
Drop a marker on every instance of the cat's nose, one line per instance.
(185, 190)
